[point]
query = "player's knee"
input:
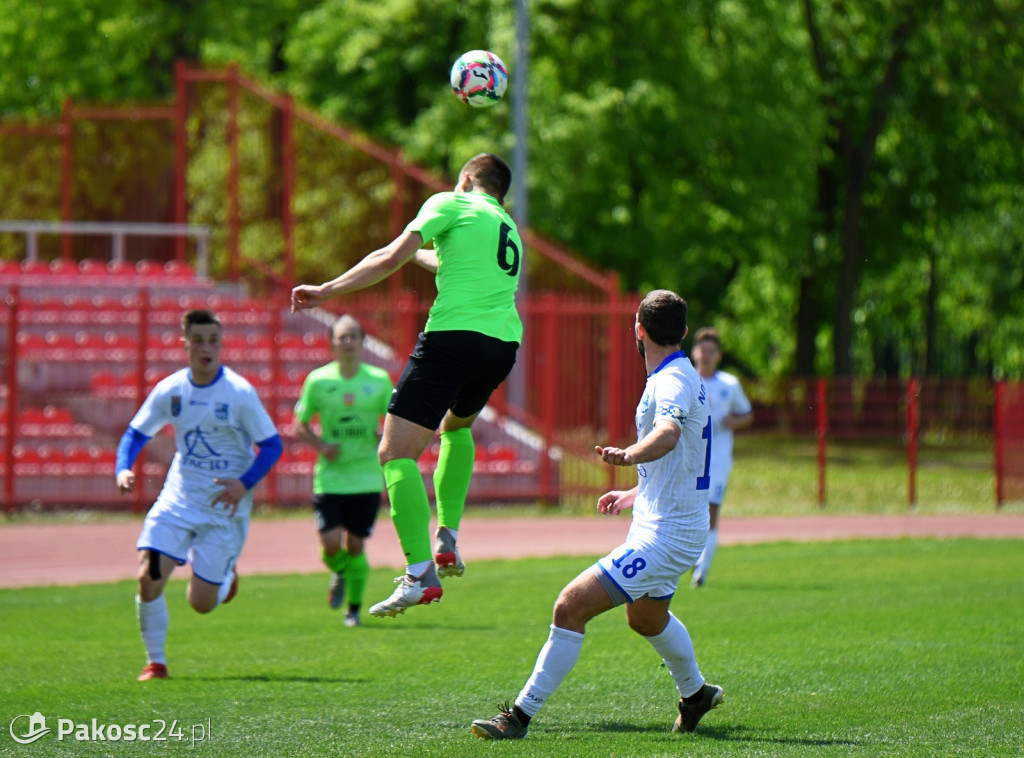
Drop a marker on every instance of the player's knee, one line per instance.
(566, 615)
(647, 627)
(201, 603)
(149, 576)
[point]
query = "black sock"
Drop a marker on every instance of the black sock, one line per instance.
(524, 719)
(695, 697)
(353, 607)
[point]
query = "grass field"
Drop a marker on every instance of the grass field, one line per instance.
(865, 648)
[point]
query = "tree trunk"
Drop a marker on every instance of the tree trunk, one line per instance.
(852, 253)
(930, 363)
(807, 326)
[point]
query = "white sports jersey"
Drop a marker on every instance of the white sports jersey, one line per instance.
(215, 427)
(726, 396)
(674, 489)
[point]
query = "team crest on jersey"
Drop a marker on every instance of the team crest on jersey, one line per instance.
(350, 398)
(221, 411)
(175, 405)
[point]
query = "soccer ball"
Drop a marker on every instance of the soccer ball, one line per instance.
(479, 78)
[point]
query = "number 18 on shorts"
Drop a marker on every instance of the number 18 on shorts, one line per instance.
(651, 569)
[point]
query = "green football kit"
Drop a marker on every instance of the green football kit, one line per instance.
(466, 350)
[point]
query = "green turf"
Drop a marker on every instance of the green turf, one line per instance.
(864, 648)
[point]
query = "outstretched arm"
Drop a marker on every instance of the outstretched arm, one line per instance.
(375, 267)
(426, 259)
(661, 441)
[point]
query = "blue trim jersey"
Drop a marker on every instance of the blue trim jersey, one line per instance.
(673, 490)
(215, 426)
(727, 397)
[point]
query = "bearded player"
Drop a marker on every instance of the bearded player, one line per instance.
(670, 522)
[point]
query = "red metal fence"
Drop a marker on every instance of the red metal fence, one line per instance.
(79, 357)
(270, 178)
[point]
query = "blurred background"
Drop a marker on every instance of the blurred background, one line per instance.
(837, 187)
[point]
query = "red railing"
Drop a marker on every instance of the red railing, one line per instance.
(76, 367)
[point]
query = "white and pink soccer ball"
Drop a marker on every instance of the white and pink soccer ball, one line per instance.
(479, 78)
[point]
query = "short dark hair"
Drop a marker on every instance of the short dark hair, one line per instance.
(199, 318)
(491, 173)
(663, 314)
(346, 317)
(707, 334)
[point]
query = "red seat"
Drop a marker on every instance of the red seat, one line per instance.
(91, 267)
(120, 269)
(498, 452)
(178, 270)
(36, 268)
(62, 267)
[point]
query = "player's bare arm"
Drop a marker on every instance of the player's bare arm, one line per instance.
(615, 502)
(328, 450)
(737, 421)
(426, 258)
(375, 267)
(661, 441)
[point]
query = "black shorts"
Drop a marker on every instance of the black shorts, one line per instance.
(454, 371)
(353, 513)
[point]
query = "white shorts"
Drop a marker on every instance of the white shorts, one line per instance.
(716, 492)
(211, 543)
(649, 564)
(719, 481)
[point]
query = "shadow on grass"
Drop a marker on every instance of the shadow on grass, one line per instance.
(738, 733)
(724, 734)
(279, 678)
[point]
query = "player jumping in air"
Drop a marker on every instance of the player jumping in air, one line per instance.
(349, 398)
(466, 350)
(730, 410)
(202, 513)
(670, 522)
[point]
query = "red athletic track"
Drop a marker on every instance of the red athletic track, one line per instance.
(34, 554)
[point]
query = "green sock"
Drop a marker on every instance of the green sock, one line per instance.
(452, 475)
(410, 509)
(337, 562)
(358, 573)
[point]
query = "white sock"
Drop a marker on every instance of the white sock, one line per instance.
(554, 663)
(676, 648)
(708, 555)
(415, 570)
(153, 623)
(225, 586)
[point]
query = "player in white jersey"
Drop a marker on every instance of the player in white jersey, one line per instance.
(730, 410)
(202, 513)
(670, 521)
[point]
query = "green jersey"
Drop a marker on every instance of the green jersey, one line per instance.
(479, 254)
(349, 411)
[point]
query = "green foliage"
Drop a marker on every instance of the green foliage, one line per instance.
(849, 648)
(705, 145)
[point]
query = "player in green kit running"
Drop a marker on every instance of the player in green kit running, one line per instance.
(349, 398)
(466, 350)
